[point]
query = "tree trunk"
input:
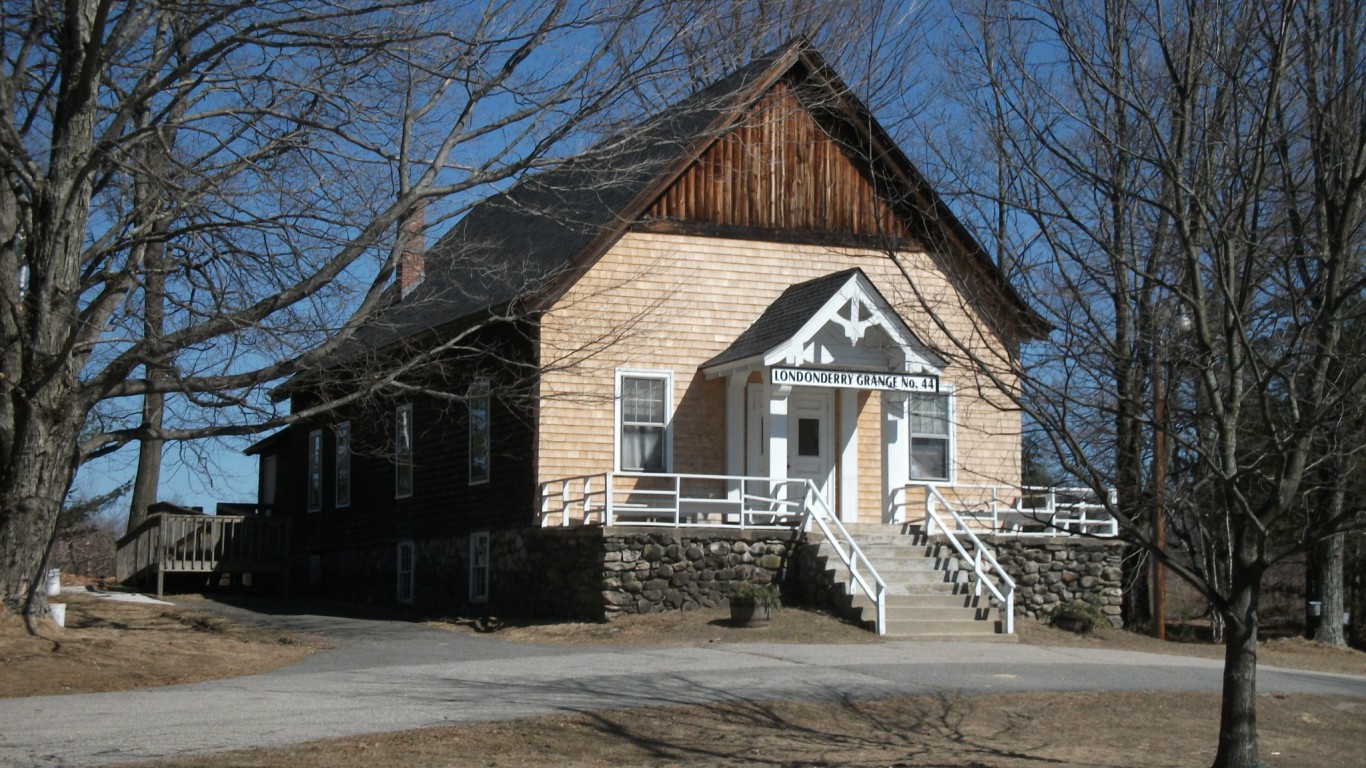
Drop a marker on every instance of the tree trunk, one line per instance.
(148, 478)
(1238, 711)
(33, 482)
(1328, 560)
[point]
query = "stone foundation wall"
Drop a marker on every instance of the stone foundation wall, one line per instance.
(1050, 573)
(581, 572)
(668, 569)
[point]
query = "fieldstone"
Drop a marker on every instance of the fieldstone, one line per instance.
(653, 552)
(771, 562)
(1087, 582)
(630, 555)
(739, 547)
(694, 552)
(673, 552)
(664, 571)
(614, 598)
(656, 585)
(1112, 574)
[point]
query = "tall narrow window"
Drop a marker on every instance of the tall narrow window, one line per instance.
(407, 569)
(343, 434)
(931, 437)
(315, 470)
(643, 419)
(478, 401)
(403, 451)
(479, 567)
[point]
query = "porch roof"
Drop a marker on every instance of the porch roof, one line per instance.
(804, 308)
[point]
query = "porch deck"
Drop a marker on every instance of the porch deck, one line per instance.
(169, 542)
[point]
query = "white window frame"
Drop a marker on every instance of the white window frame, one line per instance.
(480, 394)
(342, 465)
(315, 470)
(479, 567)
(667, 376)
(951, 449)
(406, 585)
(403, 450)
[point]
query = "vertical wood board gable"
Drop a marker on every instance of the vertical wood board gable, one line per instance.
(778, 169)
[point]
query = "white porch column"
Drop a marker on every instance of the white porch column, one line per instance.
(848, 446)
(896, 457)
(777, 432)
(735, 430)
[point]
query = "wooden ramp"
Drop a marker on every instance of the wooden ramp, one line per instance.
(189, 542)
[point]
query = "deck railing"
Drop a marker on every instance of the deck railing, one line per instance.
(1029, 511)
(671, 500)
(173, 543)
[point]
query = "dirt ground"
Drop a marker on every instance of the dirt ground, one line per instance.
(111, 646)
(1078, 730)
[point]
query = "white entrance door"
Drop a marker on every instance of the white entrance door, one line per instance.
(810, 443)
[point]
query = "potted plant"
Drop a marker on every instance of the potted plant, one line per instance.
(1077, 616)
(752, 604)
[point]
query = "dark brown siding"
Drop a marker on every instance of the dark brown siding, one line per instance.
(443, 503)
(779, 169)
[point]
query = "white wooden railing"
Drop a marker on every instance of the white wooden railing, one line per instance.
(861, 570)
(984, 565)
(671, 500)
(1029, 511)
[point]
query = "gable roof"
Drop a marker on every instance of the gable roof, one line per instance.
(790, 322)
(531, 241)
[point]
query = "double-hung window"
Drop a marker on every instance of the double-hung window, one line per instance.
(403, 451)
(407, 572)
(931, 436)
(479, 567)
(315, 470)
(343, 435)
(478, 402)
(643, 400)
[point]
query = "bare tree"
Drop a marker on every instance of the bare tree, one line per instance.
(198, 199)
(1185, 195)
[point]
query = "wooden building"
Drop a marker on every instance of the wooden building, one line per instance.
(746, 311)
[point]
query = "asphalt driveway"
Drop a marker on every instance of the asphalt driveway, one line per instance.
(387, 675)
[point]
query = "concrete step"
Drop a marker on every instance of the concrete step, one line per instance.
(929, 594)
(920, 628)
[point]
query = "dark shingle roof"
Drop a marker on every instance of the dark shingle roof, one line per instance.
(784, 317)
(514, 243)
(518, 243)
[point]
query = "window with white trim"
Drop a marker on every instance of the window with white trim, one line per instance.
(479, 567)
(403, 451)
(343, 479)
(478, 401)
(643, 404)
(931, 433)
(407, 572)
(315, 470)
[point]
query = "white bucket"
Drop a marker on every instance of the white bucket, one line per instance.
(58, 611)
(54, 582)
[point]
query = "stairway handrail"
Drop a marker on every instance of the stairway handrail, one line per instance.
(849, 552)
(1008, 599)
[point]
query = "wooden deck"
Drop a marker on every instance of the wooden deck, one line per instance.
(193, 543)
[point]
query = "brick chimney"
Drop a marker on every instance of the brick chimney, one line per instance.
(412, 260)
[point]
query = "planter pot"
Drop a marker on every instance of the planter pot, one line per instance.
(747, 613)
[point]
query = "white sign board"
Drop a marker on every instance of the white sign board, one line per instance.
(824, 377)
